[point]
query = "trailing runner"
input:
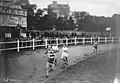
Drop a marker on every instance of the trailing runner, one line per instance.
(55, 49)
(50, 60)
(64, 56)
(95, 46)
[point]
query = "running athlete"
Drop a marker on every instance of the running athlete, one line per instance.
(55, 49)
(95, 46)
(50, 60)
(64, 56)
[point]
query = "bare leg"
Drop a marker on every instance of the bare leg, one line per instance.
(53, 66)
(47, 72)
(47, 67)
(66, 61)
(94, 50)
(55, 59)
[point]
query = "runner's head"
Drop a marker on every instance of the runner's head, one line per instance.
(54, 44)
(49, 46)
(64, 45)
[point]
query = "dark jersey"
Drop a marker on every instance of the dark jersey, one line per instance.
(50, 54)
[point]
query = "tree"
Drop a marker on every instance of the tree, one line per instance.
(71, 23)
(31, 21)
(81, 19)
(59, 23)
(38, 17)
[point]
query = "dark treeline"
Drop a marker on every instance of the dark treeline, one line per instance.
(39, 19)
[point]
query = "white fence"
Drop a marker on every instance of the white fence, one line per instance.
(18, 45)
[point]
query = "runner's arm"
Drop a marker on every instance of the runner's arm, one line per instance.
(66, 50)
(54, 58)
(57, 49)
(45, 56)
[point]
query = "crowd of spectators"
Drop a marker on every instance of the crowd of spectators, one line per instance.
(47, 34)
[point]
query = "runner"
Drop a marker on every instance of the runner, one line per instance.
(50, 60)
(55, 49)
(64, 56)
(95, 46)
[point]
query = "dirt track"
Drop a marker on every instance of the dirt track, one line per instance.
(101, 68)
(21, 65)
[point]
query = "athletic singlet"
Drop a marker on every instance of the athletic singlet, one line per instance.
(51, 54)
(55, 48)
(95, 43)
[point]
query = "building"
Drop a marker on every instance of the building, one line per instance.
(58, 10)
(10, 16)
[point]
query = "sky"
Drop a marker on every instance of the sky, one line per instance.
(95, 7)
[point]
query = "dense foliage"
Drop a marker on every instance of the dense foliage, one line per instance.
(39, 19)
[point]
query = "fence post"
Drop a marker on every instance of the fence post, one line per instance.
(66, 41)
(112, 39)
(105, 39)
(18, 45)
(98, 40)
(119, 39)
(33, 43)
(75, 41)
(91, 40)
(46, 43)
(2, 64)
(57, 41)
(83, 40)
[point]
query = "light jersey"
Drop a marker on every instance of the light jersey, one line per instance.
(64, 53)
(55, 48)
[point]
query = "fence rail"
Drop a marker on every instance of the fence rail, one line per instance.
(45, 42)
